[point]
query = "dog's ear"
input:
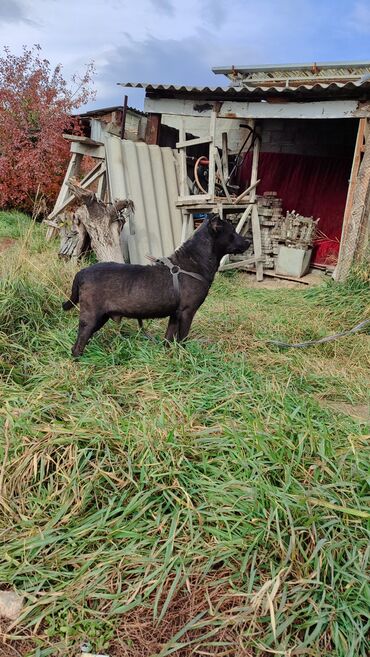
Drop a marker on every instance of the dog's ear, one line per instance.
(215, 223)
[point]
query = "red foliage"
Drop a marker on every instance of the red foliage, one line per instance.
(36, 105)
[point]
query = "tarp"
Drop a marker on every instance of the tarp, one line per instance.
(311, 185)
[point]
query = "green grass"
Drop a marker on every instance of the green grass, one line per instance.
(201, 500)
(13, 224)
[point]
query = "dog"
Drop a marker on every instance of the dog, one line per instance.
(173, 287)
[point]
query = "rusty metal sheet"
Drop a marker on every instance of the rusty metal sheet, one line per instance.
(146, 174)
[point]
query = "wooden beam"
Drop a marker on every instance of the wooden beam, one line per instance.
(359, 149)
(86, 149)
(257, 244)
(355, 237)
(85, 182)
(184, 187)
(237, 109)
(225, 155)
(82, 140)
(241, 196)
(238, 229)
(124, 117)
(152, 128)
(212, 147)
(220, 173)
(193, 142)
(256, 228)
(240, 264)
(73, 170)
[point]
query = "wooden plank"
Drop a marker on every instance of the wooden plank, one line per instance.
(270, 272)
(212, 163)
(93, 151)
(356, 238)
(152, 128)
(238, 229)
(193, 142)
(187, 227)
(184, 188)
(238, 265)
(82, 140)
(197, 199)
(220, 173)
(225, 157)
(124, 117)
(256, 228)
(254, 173)
(246, 191)
(236, 109)
(207, 203)
(72, 171)
(257, 244)
(359, 148)
(102, 187)
(85, 182)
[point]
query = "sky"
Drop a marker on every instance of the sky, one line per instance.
(175, 41)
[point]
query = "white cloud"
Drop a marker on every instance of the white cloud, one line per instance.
(180, 40)
(360, 18)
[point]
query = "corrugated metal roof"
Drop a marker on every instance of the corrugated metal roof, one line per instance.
(340, 68)
(149, 86)
(242, 88)
(107, 110)
(315, 80)
(148, 176)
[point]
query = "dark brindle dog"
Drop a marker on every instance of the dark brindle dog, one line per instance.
(173, 287)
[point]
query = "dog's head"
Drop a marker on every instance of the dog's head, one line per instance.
(227, 240)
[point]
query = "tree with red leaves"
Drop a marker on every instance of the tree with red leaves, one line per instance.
(36, 107)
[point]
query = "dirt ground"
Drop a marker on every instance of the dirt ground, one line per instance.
(6, 243)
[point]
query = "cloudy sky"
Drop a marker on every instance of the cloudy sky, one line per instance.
(179, 41)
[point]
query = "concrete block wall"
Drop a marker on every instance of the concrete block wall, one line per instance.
(329, 137)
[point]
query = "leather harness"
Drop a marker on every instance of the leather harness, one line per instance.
(175, 270)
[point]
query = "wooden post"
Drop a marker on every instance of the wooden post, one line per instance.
(256, 229)
(225, 157)
(354, 173)
(152, 129)
(124, 115)
(238, 229)
(220, 171)
(212, 163)
(356, 228)
(184, 189)
(72, 171)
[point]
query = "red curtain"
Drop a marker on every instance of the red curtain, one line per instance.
(313, 186)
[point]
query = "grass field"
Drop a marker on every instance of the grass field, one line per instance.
(206, 500)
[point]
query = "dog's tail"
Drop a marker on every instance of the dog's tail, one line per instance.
(74, 296)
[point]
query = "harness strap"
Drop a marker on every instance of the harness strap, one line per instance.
(176, 271)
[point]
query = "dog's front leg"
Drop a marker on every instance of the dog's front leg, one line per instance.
(172, 328)
(185, 320)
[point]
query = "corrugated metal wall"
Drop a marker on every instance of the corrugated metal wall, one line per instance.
(148, 176)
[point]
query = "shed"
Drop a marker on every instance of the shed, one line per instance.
(312, 124)
(121, 120)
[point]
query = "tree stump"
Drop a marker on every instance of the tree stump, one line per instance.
(102, 222)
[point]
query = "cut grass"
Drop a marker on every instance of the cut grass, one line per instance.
(199, 500)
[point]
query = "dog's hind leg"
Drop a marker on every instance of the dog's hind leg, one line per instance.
(145, 334)
(172, 328)
(86, 328)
